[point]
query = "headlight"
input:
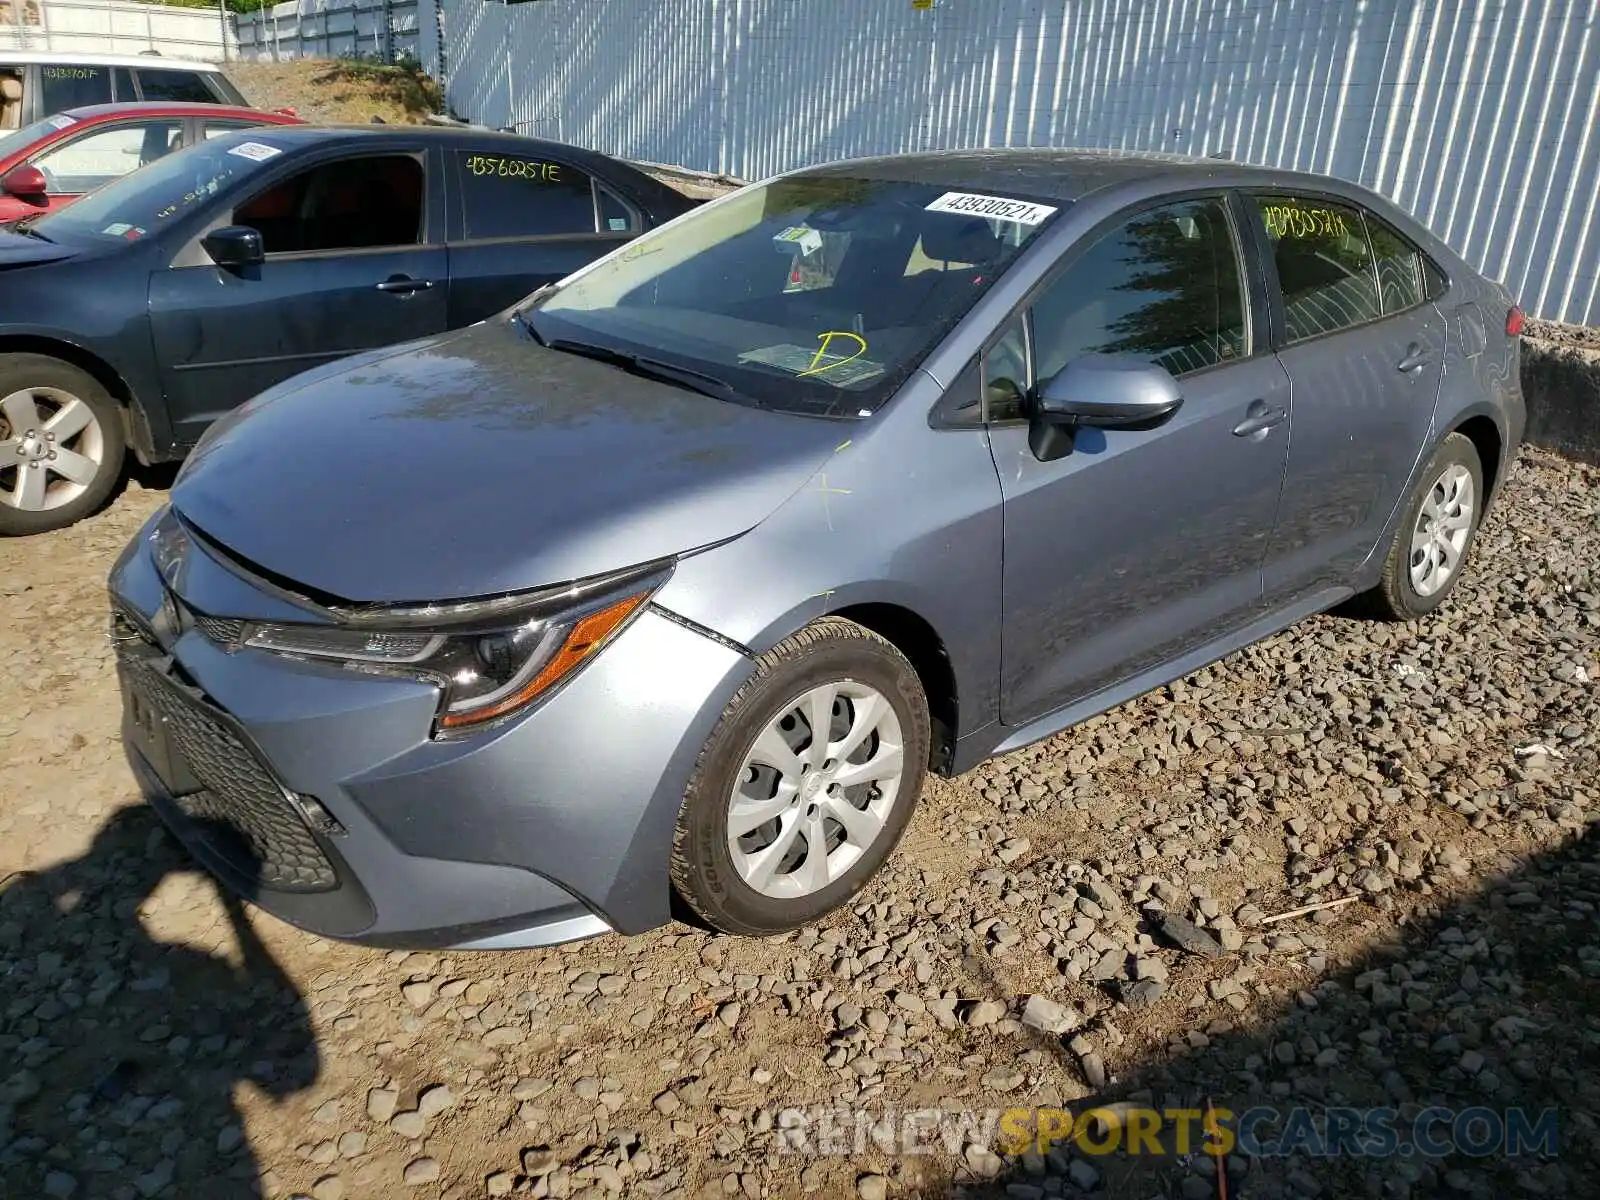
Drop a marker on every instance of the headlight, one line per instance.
(490, 658)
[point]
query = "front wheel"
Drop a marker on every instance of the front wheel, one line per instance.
(61, 444)
(1434, 536)
(806, 783)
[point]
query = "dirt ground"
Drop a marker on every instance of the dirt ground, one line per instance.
(157, 1040)
(338, 91)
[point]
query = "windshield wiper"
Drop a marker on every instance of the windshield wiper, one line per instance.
(650, 368)
(24, 226)
(523, 313)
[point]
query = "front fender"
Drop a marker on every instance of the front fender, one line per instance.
(897, 516)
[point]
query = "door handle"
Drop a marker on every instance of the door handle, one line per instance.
(404, 285)
(1416, 358)
(1259, 418)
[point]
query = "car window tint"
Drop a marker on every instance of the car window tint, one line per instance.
(122, 84)
(1399, 267)
(63, 87)
(1164, 287)
(1006, 375)
(351, 204)
(511, 196)
(616, 214)
(1324, 264)
(174, 85)
(95, 159)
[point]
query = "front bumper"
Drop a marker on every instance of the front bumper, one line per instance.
(318, 793)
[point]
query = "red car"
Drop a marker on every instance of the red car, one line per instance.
(49, 164)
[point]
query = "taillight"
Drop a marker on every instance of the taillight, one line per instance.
(1515, 320)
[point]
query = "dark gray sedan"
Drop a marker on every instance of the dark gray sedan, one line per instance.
(679, 576)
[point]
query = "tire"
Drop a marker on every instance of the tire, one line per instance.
(1401, 593)
(763, 894)
(50, 410)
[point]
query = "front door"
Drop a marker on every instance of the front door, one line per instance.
(1364, 348)
(1140, 543)
(350, 266)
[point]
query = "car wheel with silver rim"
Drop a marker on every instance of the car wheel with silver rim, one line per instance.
(61, 444)
(806, 784)
(1434, 536)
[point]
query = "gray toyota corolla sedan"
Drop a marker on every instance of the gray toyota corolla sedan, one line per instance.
(679, 576)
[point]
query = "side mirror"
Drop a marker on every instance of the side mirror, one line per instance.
(25, 182)
(1106, 391)
(234, 246)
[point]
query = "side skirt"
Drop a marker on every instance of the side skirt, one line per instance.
(999, 739)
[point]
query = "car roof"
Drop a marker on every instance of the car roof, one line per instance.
(326, 131)
(513, 143)
(149, 62)
(172, 108)
(1064, 175)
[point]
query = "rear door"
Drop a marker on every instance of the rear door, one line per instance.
(520, 221)
(1364, 349)
(355, 260)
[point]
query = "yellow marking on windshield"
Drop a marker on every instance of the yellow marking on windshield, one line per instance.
(827, 340)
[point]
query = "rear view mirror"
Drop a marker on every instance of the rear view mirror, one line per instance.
(1106, 391)
(234, 246)
(25, 183)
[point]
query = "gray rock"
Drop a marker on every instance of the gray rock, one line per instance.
(420, 1171)
(432, 1101)
(986, 1012)
(1048, 1015)
(1186, 935)
(381, 1103)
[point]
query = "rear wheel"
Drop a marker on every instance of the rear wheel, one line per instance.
(61, 445)
(806, 783)
(1434, 537)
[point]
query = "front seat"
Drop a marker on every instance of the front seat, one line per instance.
(10, 102)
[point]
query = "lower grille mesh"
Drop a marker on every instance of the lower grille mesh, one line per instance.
(256, 826)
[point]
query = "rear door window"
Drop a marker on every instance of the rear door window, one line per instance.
(509, 196)
(64, 87)
(1402, 269)
(184, 86)
(1325, 264)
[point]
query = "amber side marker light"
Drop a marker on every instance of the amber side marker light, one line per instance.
(587, 636)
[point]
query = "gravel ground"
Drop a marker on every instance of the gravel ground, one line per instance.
(1084, 919)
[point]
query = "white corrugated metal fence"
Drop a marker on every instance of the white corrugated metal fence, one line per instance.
(116, 27)
(1477, 115)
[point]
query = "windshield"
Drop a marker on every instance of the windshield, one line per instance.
(140, 203)
(21, 139)
(813, 293)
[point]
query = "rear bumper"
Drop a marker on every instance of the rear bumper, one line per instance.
(554, 827)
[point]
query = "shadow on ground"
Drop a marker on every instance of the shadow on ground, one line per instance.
(1490, 1003)
(122, 1054)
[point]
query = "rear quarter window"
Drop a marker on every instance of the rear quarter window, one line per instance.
(169, 86)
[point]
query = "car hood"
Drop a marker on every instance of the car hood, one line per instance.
(20, 250)
(479, 463)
